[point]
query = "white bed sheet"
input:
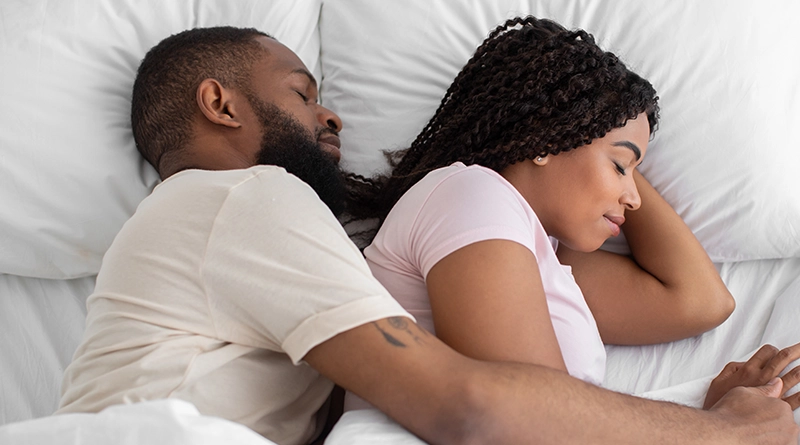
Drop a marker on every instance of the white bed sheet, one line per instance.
(759, 287)
(42, 324)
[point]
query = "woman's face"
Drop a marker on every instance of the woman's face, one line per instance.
(581, 196)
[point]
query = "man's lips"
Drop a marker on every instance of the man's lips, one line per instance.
(330, 144)
(614, 222)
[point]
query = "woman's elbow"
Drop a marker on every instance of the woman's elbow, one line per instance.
(723, 306)
(713, 309)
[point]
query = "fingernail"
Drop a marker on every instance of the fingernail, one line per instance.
(773, 381)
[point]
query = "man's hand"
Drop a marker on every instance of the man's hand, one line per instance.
(755, 418)
(763, 366)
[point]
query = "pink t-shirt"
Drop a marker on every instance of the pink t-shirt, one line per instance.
(455, 206)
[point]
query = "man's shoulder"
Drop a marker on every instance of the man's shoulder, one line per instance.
(259, 182)
(204, 180)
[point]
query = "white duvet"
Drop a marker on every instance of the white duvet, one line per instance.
(162, 422)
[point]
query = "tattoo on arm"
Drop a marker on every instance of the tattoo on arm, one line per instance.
(402, 325)
(389, 337)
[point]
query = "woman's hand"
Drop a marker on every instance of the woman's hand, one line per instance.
(763, 366)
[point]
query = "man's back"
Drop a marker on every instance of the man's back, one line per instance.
(205, 288)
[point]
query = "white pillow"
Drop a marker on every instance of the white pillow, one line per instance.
(70, 174)
(725, 156)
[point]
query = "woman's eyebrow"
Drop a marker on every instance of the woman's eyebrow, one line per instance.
(630, 145)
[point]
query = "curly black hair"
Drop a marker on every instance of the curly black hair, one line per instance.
(163, 95)
(532, 88)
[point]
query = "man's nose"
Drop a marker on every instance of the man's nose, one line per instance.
(329, 119)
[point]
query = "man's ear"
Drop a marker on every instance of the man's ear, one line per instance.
(218, 104)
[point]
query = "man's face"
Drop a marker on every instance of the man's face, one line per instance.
(296, 132)
(286, 143)
(280, 78)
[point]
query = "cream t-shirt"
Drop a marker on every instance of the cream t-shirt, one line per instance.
(213, 292)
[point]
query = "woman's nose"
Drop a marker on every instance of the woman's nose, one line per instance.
(630, 197)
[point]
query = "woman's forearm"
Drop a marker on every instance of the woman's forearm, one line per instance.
(663, 245)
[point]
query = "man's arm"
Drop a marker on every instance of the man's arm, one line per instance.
(445, 397)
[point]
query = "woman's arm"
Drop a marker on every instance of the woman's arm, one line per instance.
(488, 305)
(668, 290)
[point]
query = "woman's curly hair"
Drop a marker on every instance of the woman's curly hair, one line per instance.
(533, 88)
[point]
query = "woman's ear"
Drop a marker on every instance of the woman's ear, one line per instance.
(218, 104)
(541, 160)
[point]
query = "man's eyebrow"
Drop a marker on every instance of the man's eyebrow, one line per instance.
(307, 74)
(630, 145)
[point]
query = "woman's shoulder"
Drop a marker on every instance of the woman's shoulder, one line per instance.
(464, 180)
(458, 192)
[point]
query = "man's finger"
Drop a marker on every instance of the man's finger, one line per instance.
(774, 388)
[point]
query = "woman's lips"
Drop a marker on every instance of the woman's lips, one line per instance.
(614, 222)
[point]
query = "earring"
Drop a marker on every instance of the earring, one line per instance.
(539, 159)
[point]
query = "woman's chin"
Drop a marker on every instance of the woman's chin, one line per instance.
(585, 246)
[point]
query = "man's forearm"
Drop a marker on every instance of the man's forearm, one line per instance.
(445, 398)
(518, 404)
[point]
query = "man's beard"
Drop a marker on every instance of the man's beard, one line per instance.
(286, 143)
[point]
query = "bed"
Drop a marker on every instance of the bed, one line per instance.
(725, 157)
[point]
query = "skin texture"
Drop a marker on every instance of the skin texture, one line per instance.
(437, 393)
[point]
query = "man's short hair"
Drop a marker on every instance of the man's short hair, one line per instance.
(164, 92)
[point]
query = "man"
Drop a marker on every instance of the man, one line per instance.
(235, 288)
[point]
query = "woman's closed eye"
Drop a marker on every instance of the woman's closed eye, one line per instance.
(620, 168)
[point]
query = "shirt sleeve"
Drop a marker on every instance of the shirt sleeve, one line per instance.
(281, 273)
(471, 205)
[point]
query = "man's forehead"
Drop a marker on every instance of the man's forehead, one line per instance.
(280, 58)
(278, 53)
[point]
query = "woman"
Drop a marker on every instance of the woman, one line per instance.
(529, 162)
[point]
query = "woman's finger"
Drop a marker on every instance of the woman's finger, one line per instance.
(763, 356)
(782, 359)
(730, 369)
(793, 400)
(791, 378)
